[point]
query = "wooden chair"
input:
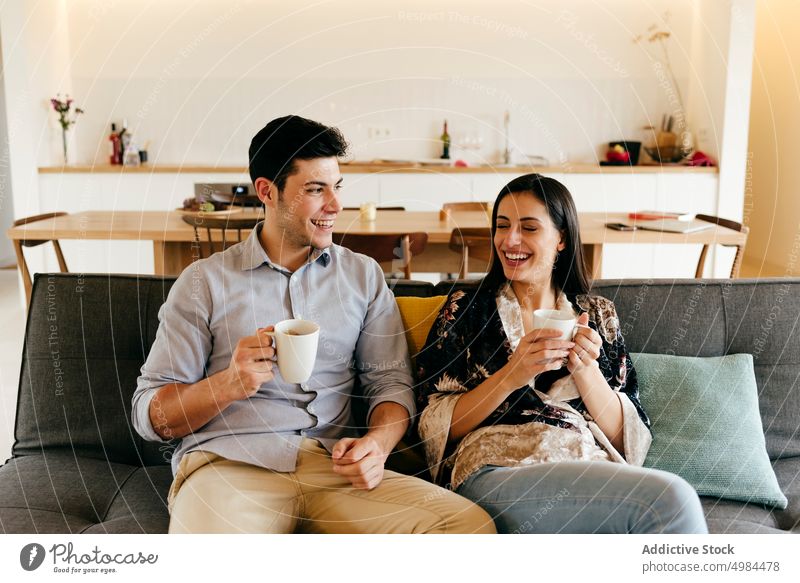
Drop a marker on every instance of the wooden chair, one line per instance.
(737, 260)
(223, 225)
(19, 244)
(475, 242)
(246, 201)
(386, 247)
(465, 206)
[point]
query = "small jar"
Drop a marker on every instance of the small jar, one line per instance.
(368, 212)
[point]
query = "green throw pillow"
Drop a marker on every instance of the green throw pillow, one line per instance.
(706, 425)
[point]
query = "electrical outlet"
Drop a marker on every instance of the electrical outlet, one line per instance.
(379, 132)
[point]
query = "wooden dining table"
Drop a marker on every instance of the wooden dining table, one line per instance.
(172, 237)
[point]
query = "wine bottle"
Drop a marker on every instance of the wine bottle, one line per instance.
(445, 143)
(114, 146)
(124, 139)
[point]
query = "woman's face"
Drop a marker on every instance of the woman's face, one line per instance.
(526, 240)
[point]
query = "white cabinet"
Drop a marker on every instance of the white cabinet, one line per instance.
(424, 191)
(488, 186)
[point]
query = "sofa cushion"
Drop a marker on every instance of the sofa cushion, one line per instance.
(731, 517)
(61, 493)
(788, 473)
(706, 426)
(418, 315)
(728, 517)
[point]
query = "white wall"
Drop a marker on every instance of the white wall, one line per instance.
(201, 82)
(6, 198)
(36, 66)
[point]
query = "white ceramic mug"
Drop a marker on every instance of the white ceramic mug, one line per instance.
(296, 346)
(564, 322)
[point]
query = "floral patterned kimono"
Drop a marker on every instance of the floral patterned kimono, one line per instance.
(473, 336)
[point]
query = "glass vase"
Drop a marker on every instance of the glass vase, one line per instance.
(64, 145)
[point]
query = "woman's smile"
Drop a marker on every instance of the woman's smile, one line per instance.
(515, 259)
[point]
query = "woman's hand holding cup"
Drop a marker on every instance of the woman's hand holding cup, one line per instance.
(586, 351)
(537, 352)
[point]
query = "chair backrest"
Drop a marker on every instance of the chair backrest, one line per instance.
(225, 226)
(465, 206)
(20, 243)
(475, 242)
(386, 247)
(737, 259)
(248, 200)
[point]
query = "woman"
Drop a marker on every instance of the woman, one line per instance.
(547, 435)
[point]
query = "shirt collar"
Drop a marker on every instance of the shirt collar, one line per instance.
(254, 255)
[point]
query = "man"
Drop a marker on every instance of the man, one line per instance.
(258, 454)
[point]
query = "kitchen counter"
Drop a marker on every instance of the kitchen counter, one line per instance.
(386, 167)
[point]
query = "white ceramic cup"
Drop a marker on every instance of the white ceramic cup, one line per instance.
(564, 322)
(296, 346)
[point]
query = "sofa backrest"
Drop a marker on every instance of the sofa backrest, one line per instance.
(717, 317)
(86, 338)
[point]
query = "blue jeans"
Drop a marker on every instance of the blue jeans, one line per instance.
(585, 497)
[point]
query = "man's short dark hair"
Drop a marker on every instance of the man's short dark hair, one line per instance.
(286, 139)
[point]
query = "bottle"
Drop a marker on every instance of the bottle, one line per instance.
(124, 139)
(114, 147)
(131, 155)
(445, 143)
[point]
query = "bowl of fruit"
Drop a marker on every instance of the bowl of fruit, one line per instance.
(194, 206)
(622, 154)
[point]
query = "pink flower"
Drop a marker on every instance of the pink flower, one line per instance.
(63, 108)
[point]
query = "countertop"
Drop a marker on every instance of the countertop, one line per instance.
(385, 167)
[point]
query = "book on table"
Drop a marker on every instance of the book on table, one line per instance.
(660, 215)
(674, 226)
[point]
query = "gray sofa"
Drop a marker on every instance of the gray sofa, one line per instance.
(78, 465)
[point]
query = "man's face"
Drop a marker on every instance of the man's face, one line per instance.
(309, 204)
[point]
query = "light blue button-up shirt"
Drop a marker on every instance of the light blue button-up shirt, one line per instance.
(217, 301)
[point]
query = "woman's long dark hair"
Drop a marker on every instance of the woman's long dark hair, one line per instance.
(569, 274)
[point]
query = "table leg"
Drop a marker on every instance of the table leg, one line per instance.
(171, 258)
(593, 259)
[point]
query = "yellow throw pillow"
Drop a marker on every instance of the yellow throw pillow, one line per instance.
(418, 315)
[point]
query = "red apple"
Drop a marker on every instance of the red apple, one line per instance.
(618, 154)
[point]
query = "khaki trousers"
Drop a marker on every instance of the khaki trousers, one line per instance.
(212, 494)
